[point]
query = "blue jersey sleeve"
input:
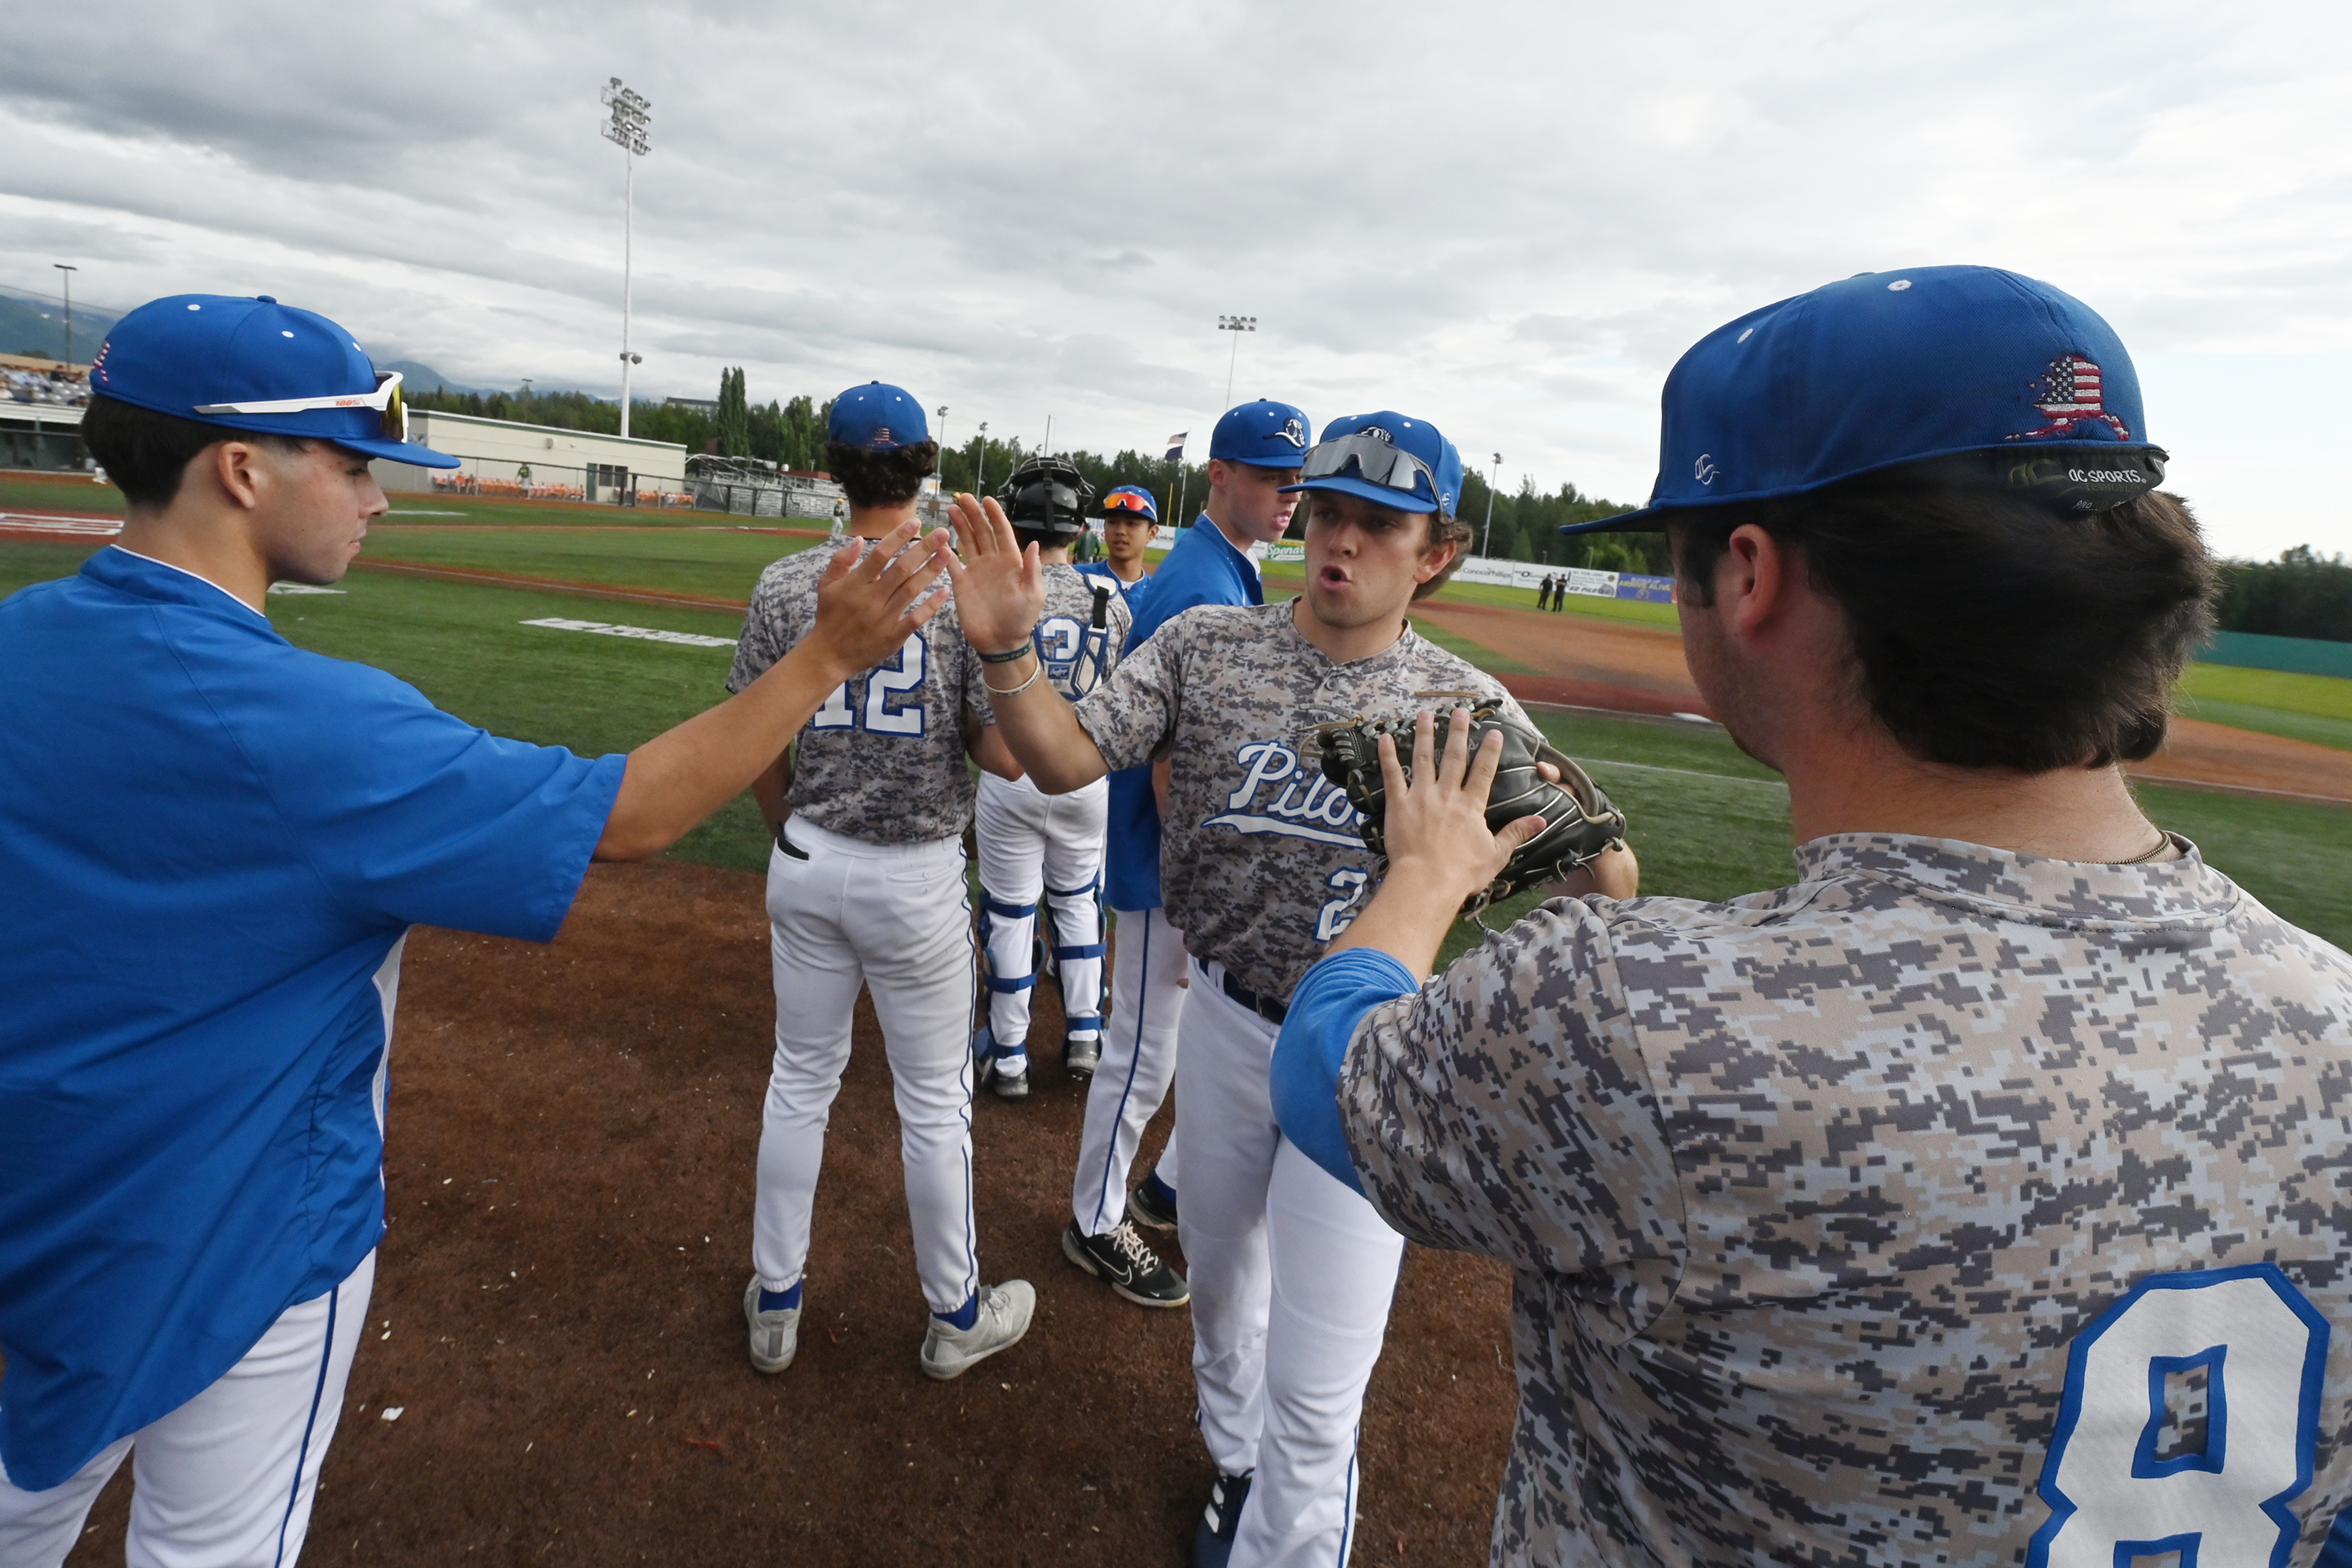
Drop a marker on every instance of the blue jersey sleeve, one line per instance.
(409, 816)
(1331, 999)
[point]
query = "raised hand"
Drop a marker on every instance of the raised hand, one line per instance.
(1435, 827)
(1000, 588)
(866, 608)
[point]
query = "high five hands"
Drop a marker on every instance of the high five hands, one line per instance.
(1000, 588)
(1436, 825)
(865, 607)
(1441, 850)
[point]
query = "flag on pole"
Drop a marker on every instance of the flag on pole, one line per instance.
(1176, 447)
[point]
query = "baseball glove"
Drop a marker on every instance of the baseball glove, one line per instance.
(1580, 823)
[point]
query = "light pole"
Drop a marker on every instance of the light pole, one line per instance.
(1487, 547)
(1234, 325)
(631, 129)
(980, 469)
(942, 439)
(69, 272)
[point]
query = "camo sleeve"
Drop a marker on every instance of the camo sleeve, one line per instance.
(1131, 717)
(1504, 1109)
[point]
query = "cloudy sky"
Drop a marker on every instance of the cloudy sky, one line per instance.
(1508, 219)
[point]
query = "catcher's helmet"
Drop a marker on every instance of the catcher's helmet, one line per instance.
(1047, 495)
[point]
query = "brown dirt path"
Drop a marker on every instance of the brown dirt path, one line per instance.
(568, 1124)
(554, 585)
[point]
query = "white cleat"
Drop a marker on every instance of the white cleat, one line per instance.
(776, 1334)
(1005, 1313)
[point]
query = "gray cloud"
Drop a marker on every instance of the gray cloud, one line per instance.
(1510, 218)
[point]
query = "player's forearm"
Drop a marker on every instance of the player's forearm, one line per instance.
(770, 788)
(1417, 904)
(682, 775)
(1407, 917)
(988, 749)
(1038, 726)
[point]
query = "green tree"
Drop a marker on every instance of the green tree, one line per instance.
(2301, 594)
(734, 419)
(803, 444)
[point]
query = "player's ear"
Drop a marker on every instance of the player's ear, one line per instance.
(1439, 551)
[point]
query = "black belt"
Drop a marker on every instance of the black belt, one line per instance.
(1266, 1008)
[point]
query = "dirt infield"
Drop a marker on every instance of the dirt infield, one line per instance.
(1590, 662)
(569, 1124)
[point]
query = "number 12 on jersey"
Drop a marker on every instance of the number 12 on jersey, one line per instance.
(886, 685)
(2129, 1475)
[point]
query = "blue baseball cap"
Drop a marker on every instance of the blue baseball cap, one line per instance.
(1892, 368)
(1396, 462)
(1263, 434)
(256, 364)
(1132, 499)
(877, 417)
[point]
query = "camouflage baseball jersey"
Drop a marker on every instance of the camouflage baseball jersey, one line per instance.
(1260, 860)
(1950, 1207)
(1077, 654)
(883, 759)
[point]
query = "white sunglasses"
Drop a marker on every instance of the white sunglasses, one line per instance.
(385, 399)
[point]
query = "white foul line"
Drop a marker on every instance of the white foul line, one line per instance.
(642, 633)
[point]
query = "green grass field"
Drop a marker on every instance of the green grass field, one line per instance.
(1708, 822)
(2315, 708)
(64, 492)
(715, 562)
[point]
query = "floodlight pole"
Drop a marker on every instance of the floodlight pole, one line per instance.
(1236, 324)
(631, 129)
(1487, 547)
(628, 258)
(980, 467)
(942, 439)
(69, 272)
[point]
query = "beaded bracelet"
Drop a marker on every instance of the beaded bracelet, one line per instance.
(1013, 690)
(1011, 654)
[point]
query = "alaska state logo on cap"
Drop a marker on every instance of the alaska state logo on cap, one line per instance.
(1893, 368)
(877, 417)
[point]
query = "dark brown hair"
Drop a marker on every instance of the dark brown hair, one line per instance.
(1988, 630)
(873, 478)
(146, 454)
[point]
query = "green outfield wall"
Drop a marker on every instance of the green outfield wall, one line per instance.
(2302, 656)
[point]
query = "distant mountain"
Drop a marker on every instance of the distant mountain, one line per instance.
(425, 378)
(30, 324)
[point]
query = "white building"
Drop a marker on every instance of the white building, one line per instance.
(504, 458)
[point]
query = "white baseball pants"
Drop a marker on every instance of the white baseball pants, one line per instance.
(896, 919)
(1292, 1276)
(1035, 844)
(1138, 1063)
(226, 1480)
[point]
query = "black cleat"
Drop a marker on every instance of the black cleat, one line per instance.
(1152, 1204)
(1080, 1055)
(1133, 1270)
(1220, 1521)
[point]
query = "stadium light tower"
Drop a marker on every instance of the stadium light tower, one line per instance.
(979, 475)
(631, 129)
(1487, 548)
(1234, 325)
(942, 439)
(69, 272)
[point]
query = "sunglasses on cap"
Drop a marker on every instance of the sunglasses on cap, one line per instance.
(1127, 503)
(385, 399)
(1378, 462)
